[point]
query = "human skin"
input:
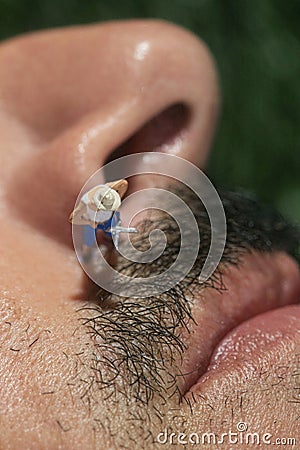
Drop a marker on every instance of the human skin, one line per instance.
(69, 99)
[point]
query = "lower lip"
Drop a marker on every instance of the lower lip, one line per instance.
(265, 339)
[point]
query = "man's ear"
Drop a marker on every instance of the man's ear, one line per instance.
(163, 98)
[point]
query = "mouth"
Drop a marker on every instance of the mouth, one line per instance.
(236, 328)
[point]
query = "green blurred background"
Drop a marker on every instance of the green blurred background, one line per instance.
(256, 44)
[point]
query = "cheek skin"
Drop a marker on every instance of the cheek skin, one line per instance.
(48, 393)
(36, 269)
(45, 379)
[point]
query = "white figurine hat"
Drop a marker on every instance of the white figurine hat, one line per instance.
(106, 198)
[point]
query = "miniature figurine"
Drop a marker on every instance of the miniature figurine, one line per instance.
(97, 210)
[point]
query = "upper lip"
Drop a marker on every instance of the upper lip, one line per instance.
(263, 282)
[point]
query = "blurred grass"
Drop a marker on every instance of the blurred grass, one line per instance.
(256, 44)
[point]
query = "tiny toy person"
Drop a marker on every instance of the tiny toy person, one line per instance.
(97, 210)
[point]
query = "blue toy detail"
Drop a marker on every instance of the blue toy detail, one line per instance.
(89, 233)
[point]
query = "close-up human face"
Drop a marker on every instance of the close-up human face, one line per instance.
(82, 368)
